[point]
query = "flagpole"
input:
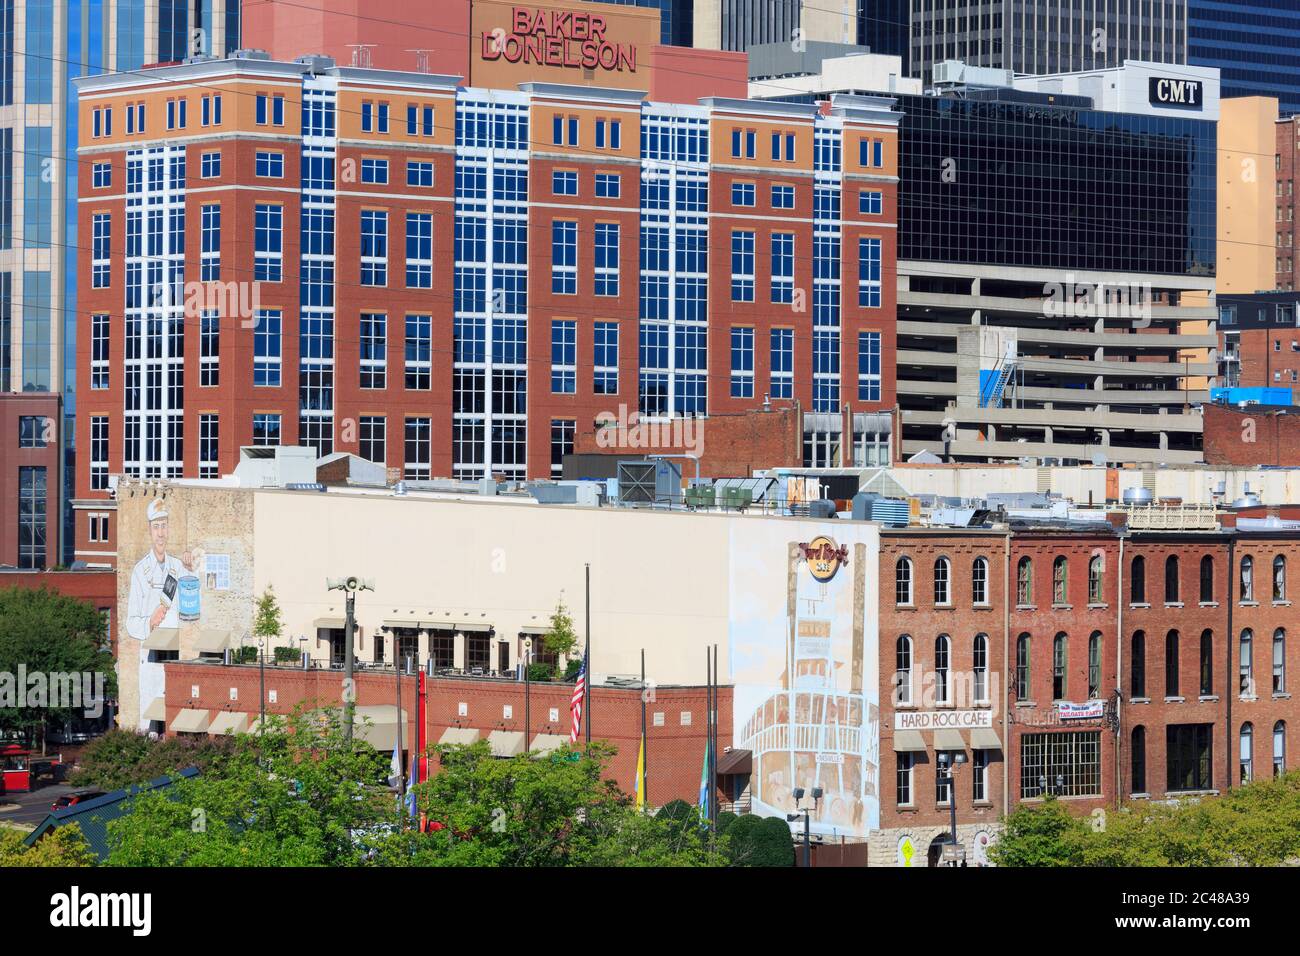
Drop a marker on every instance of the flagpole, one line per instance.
(709, 736)
(713, 751)
(645, 741)
(587, 654)
(401, 773)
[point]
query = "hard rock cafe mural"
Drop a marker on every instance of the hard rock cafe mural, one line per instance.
(804, 665)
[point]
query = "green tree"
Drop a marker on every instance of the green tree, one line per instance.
(298, 795)
(531, 811)
(267, 622)
(760, 841)
(47, 633)
(61, 847)
(1043, 835)
(561, 639)
(121, 758)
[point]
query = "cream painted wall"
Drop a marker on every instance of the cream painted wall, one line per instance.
(1247, 205)
(660, 580)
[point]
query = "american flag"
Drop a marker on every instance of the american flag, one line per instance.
(575, 702)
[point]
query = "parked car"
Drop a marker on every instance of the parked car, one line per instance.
(74, 798)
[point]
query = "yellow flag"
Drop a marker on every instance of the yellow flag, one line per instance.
(640, 776)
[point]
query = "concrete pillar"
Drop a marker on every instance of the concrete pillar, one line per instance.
(422, 644)
(458, 654)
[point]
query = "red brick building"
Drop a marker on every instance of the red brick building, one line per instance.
(1252, 436)
(30, 519)
(1287, 166)
(461, 710)
(1120, 665)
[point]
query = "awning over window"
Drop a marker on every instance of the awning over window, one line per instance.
(164, 639)
(156, 711)
(546, 743)
(506, 743)
(466, 627)
(985, 738)
(909, 741)
(228, 722)
(213, 640)
(405, 624)
(329, 623)
(190, 721)
(948, 739)
(377, 726)
(459, 735)
(532, 631)
(735, 761)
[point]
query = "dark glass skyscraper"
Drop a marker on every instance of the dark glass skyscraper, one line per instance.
(1254, 43)
(44, 49)
(1052, 187)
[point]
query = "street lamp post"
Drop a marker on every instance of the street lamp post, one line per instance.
(806, 813)
(948, 763)
(261, 683)
(528, 699)
(349, 586)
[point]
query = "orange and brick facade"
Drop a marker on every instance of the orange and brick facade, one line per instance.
(457, 282)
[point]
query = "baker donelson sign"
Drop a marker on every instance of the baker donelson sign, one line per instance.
(561, 38)
(941, 719)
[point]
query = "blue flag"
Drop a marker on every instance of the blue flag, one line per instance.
(705, 789)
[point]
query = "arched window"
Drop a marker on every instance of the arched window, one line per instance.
(1138, 753)
(1171, 579)
(1248, 578)
(1060, 666)
(1138, 581)
(1022, 667)
(1094, 666)
(1138, 665)
(1060, 580)
(1025, 582)
(1171, 664)
(1207, 579)
(1207, 663)
(903, 668)
(903, 581)
(1279, 578)
(941, 672)
(1247, 750)
(1279, 661)
(979, 581)
(980, 664)
(1279, 748)
(1247, 665)
(943, 581)
(1094, 580)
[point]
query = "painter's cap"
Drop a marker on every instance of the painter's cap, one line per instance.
(157, 509)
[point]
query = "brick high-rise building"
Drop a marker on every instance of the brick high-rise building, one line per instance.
(451, 281)
(1287, 164)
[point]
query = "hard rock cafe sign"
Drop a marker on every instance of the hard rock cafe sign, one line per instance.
(824, 557)
(563, 38)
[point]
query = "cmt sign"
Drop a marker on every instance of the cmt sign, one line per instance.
(1180, 94)
(560, 38)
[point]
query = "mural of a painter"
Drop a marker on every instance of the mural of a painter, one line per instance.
(164, 591)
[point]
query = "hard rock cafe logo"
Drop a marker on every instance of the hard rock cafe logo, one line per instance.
(824, 557)
(558, 38)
